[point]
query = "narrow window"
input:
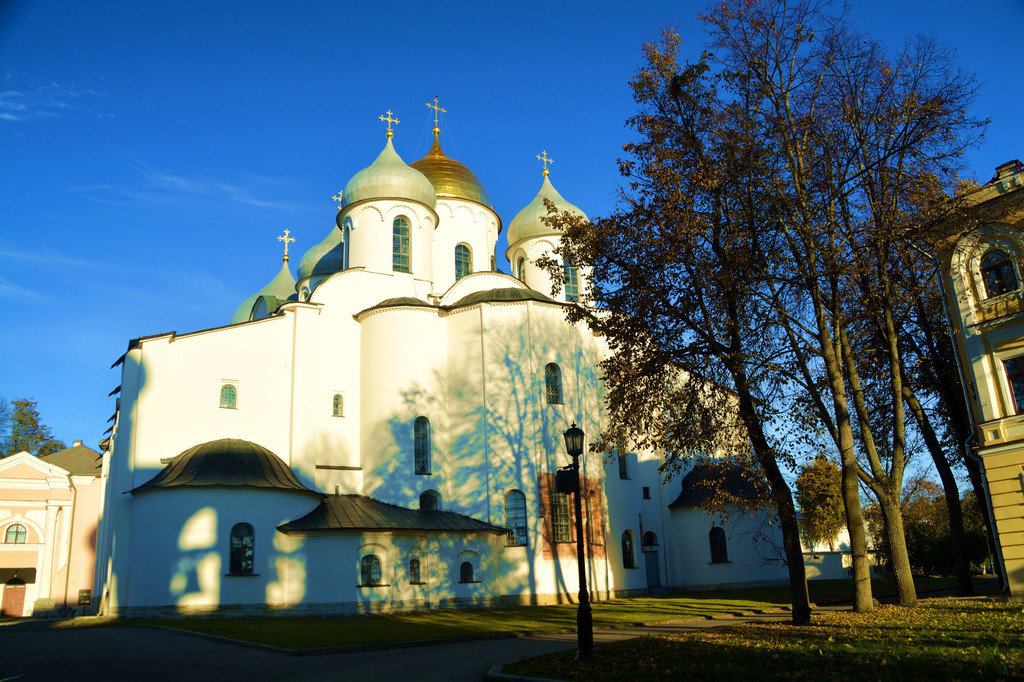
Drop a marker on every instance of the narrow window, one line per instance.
(400, 246)
(463, 261)
(628, 560)
(338, 405)
(647, 492)
(466, 572)
(430, 500)
(421, 445)
(241, 561)
(719, 552)
(228, 395)
(997, 273)
(414, 571)
(15, 534)
(1015, 375)
(369, 570)
(494, 264)
(560, 517)
(572, 282)
(623, 466)
(553, 384)
(521, 269)
(515, 518)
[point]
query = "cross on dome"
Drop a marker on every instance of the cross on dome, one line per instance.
(286, 239)
(437, 110)
(390, 121)
(543, 156)
(337, 197)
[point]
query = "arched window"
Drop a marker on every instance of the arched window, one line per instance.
(463, 261)
(241, 560)
(421, 445)
(414, 571)
(228, 396)
(650, 539)
(560, 518)
(719, 552)
(15, 534)
(998, 274)
(369, 570)
(466, 572)
(430, 500)
(553, 384)
(494, 264)
(400, 245)
(338, 405)
(572, 282)
(1015, 375)
(521, 269)
(628, 559)
(515, 518)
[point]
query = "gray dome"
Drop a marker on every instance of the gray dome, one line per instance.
(389, 178)
(281, 287)
(528, 223)
(326, 258)
(226, 463)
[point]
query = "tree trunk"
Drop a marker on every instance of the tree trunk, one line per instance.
(892, 518)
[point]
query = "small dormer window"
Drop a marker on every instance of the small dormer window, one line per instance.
(998, 274)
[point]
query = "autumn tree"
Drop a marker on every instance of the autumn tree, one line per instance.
(819, 494)
(26, 433)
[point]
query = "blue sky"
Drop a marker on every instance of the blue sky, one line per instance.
(151, 152)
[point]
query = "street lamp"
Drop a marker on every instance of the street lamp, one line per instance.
(584, 619)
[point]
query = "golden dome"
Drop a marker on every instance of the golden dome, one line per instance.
(449, 177)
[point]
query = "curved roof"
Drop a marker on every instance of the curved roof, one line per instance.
(281, 287)
(449, 177)
(326, 258)
(505, 295)
(226, 463)
(389, 178)
(701, 484)
(361, 513)
(528, 223)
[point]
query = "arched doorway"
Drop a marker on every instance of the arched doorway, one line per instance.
(14, 598)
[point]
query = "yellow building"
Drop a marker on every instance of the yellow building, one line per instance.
(985, 298)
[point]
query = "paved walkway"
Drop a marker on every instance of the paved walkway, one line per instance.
(30, 654)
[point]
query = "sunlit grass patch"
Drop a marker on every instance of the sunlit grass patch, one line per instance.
(941, 639)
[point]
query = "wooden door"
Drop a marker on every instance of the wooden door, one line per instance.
(14, 598)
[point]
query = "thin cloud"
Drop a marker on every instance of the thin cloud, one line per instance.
(15, 292)
(48, 100)
(154, 185)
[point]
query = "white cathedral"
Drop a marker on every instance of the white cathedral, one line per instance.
(381, 432)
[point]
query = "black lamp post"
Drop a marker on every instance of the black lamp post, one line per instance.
(584, 619)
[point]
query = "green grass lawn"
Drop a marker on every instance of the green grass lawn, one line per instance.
(307, 633)
(943, 639)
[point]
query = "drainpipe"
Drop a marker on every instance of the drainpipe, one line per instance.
(71, 537)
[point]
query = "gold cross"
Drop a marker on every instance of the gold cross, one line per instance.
(436, 109)
(337, 197)
(390, 121)
(286, 239)
(543, 156)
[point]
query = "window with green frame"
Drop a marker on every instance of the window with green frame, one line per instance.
(15, 535)
(400, 245)
(572, 282)
(463, 261)
(228, 396)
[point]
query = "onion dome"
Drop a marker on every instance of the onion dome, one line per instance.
(226, 463)
(281, 287)
(451, 178)
(389, 178)
(326, 258)
(528, 223)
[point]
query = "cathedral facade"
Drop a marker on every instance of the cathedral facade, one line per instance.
(382, 431)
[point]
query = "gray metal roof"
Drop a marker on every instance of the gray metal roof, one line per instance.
(77, 460)
(358, 512)
(701, 484)
(226, 463)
